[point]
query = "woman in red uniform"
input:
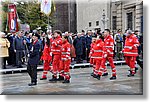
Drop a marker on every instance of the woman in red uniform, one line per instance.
(91, 55)
(98, 51)
(65, 59)
(47, 58)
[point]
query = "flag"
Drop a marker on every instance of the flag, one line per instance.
(12, 18)
(47, 6)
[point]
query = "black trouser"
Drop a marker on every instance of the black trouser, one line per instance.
(19, 54)
(84, 54)
(3, 62)
(139, 62)
(32, 71)
(12, 58)
(78, 58)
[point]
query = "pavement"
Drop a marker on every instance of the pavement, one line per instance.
(81, 84)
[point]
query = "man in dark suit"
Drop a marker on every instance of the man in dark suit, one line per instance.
(33, 59)
(78, 47)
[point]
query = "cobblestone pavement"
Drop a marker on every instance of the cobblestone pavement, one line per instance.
(81, 83)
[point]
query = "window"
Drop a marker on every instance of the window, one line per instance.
(97, 23)
(114, 22)
(90, 24)
(129, 21)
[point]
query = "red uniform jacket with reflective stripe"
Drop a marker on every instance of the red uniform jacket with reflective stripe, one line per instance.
(65, 52)
(130, 48)
(108, 46)
(56, 45)
(46, 53)
(98, 49)
(91, 50)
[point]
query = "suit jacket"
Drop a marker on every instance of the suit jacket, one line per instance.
(34, 53)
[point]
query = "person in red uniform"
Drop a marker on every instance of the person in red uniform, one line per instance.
(108, 55)
(91, 55)
(56, 51)
(65, 59)
(130, 51)
(98, 51)
(47, 58)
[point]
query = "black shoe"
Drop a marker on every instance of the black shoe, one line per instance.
(43, 78)
(60, 78)
(66, 81)
(32, 84)
(54, 79)
(130, 75)
(113, 77)
(98, 77)
(136, 68)
(92, 74)
(105, 74)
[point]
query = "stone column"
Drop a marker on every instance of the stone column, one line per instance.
(119, 15)
(139, 14)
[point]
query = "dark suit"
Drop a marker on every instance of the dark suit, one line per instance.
(78, 48)
(33, 61)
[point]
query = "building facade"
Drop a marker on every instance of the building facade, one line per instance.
(112, 14)
(93, 14)
(65, 16)
(127, 14)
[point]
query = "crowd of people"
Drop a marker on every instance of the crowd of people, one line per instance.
(60, 49)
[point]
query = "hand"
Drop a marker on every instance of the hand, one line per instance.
(50, 53)
(24, 41)
(120, 52)
(28, 55)
(15, 51)
(105, 55)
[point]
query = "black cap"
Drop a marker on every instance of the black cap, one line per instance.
(37, 35)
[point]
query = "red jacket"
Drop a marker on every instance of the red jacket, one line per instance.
(56, 45)
(130, 48)
(91, 50)
(46, 53)
(98, 49)
(65, 52)
(108, 46)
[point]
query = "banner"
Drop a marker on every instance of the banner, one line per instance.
(47, 6)
(12, 18)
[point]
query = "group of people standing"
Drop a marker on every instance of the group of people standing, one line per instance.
(57, 50)
(102, 49)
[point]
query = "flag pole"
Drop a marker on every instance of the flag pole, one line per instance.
(48, 22)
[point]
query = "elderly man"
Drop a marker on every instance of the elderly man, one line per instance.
(4, 45)
(130, 51)
(19, 46)
(78, 47)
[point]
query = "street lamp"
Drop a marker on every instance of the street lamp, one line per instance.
(104, 19)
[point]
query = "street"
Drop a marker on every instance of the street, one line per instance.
(81, 84)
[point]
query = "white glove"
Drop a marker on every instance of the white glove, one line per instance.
(28, 55)
(105, 55)
(120, 51)
(50, 53)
